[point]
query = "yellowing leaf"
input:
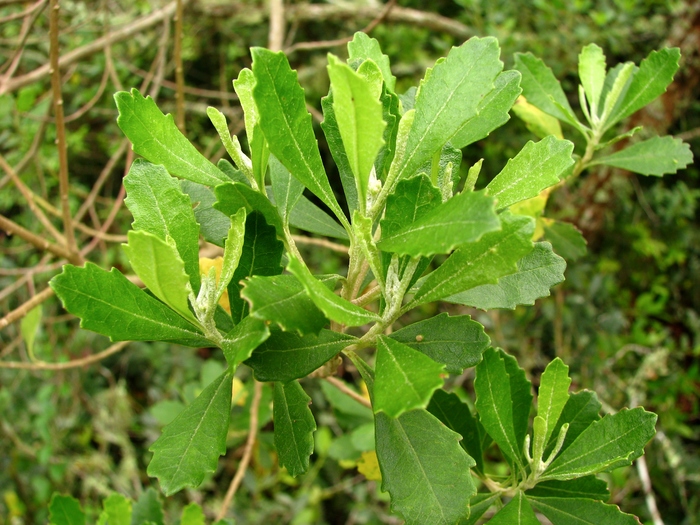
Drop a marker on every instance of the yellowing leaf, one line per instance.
(205, 264)
(368, 466)
(238, 393)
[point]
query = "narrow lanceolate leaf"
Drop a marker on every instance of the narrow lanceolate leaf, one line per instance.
(307, 216)
(580, 511)
(463, 219)
(423, 468)
(116, 510)
(213, 224)
(109, 304)
(566, 239)
(614, 441)
(657, 156)
(294, 427)
(492, 111)
(494, 404)
(286, 189)
(585, 487)
(537, 272)
(538, 166)
(652, 78)
(232, 251)
(286, 356)
(405, 378)
(358, 112)
(456, 416)
(553, 394)
(65, 510)
(260, 256)
(161, 269)
(234, 196)
(363, 47)
(591, 71)
(334, 306)
(282, 299)
(580, 411)
(449, 98)
(520, 395)
(160, 207)
(231, 144)
(478, 506)
(259, 152)
(536, 120)
(156, 137)
(190, 446)
(517, 512)
(482, 262)
(410, 201)
(541, 87)
(456, 341)
(245, 337)
(286, 123)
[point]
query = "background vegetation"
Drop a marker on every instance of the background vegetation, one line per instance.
(78, 414)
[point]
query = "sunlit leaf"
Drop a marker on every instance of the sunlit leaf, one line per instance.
(294, 427)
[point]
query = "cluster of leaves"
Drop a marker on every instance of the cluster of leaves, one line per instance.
(398, 158)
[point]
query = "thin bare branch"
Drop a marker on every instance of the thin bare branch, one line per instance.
(13, 228)
(22, 310)
(302, 239)
(276, 34)
(75, 363)
(348, 391)
(22, 14)
(179, 72)
(247, 452)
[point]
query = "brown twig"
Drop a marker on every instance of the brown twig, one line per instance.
(247, 452)
(27, 24)
(189, 90)
(13, 228)
(179, 72)
(76, 363)
(341, 41)
(276, 35)
(22, 310)
(302, 239)
(348, 391)
(64, 187)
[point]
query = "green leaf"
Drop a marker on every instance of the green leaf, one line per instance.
(423, 468)
(337, 149)
(652, 78)
(456, 341)
(405, 378)
(234, 196)
(358, 112)
(591, 71)
(294, 427)
(537, 272)
(578, 511)
(213, 224)
(261, 256)
(345, 404)
(455, 414)
(29, 326)
(465, 218)
(582, 409)
(192, 514)
(449, 97)
(332, 305)
(495, 406)
(656, 156)
(536, 120)
(159, 206)
(307, 216)
(518, 510)
(259, 151)
(116, 510)
(553, 395)
(65, 510)
(156, 137)
(190, 446)
(482, 262)
(232, 251)
(538, 166)
(391, 115)
(148, 509)
(492, 111)
(283, 300)
(286, 356)
(617, 82)
(478, 506)
(286, 189)
(614, 441)
(161, 269)
(586, 487)
(240, 342)
(566, 239)
(520, 395)
(363, 47)
(109, 304)
(231, 144)
(541, 87)
(286, 123)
